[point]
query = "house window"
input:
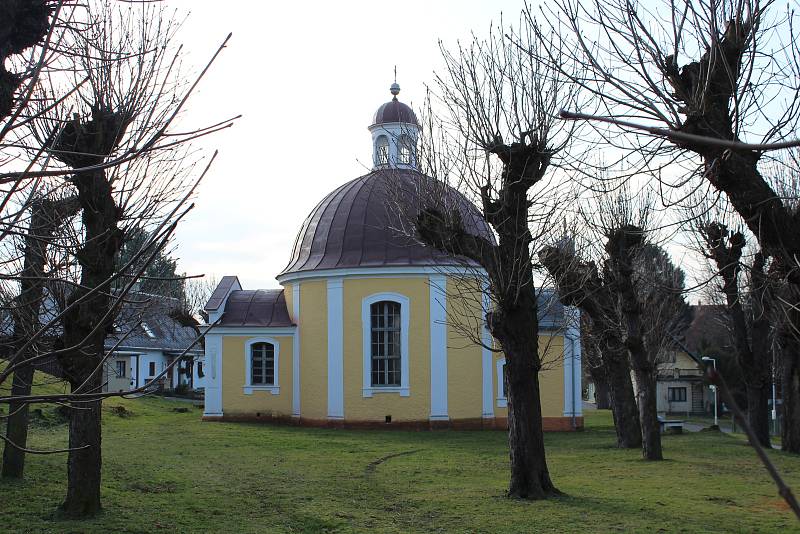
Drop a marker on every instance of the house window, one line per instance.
(261, 359)
(385, 321)
(385, 343)
(676, 394)
(382, 150)
(122, 368)
(500, 368)
(200, 373)
(503, 381)
(152, 369)
(262, 366)
(404, 146)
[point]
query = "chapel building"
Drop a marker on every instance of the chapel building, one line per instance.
(372, 328)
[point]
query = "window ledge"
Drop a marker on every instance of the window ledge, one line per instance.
(248, 390)
(368, 392)
(502, 402)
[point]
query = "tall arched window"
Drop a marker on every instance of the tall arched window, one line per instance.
(385, 333)
(405, 149)
(262, 364)
(382, 150)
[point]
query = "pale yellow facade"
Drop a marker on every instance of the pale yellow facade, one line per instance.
(307, 303)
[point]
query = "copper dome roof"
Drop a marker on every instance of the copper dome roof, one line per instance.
(394, 111)
(367, 223)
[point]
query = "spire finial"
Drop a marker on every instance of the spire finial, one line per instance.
(395, 88)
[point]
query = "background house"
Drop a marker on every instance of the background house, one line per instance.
(680, 386)
(150, 337)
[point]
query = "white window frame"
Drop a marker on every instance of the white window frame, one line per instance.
(502, 400)
(368, 390)
(249, 387)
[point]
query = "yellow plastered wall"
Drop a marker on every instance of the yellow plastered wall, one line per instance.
(416, 406)
(287, 293)
(464, 356)
(313, 348)
(234, 400)
(551, 377)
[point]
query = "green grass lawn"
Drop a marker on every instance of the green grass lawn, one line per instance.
(168, 471)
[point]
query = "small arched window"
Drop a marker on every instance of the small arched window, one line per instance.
(382, 150)
(262, 364)
(385, 333)
(406, 147)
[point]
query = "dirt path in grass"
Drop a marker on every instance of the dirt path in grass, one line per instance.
(372, 466)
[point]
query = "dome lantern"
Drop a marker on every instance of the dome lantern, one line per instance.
(394, 134)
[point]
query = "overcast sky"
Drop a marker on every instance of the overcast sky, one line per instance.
(307, 78)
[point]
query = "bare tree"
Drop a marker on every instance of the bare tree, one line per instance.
(501, 103)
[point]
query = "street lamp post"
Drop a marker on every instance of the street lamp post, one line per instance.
(714, 389)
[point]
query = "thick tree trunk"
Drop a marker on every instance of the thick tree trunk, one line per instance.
(790, 386)
(602, 395)
(648, 415)
(530, 478)
(623, 245)
(623, 404)
(85, 327)
(758, 412)
(17, 425)
(85, 462)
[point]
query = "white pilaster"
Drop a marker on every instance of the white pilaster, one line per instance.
(577, 374)
(438, 316)
(486, 358)
(335, 349)
(572, 363)
(213, 389)
(296, 351)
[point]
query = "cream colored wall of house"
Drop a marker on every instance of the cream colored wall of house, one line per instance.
(417, 405)
(464, 356)
(551, 378)
(234, 400)
(313, 349)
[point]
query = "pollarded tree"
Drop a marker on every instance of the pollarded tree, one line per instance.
(580, 283)
(501, 139)
(749, 312)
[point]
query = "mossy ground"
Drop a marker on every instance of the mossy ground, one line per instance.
(168, 471)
